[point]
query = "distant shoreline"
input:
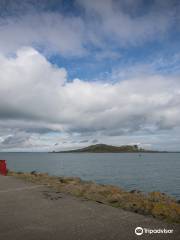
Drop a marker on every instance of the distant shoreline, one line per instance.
(93, 152)
(104, 148)
(73, 151)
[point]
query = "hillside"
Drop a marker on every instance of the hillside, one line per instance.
(103, 148)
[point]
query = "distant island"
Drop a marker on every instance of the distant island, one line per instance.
(104, 148)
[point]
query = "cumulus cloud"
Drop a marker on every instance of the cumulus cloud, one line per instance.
(93, 23)
(29, 81)
(50, 31)
(129, 22)
(34, 94)
(40, 106)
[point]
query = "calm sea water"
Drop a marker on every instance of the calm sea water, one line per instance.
(146, 172)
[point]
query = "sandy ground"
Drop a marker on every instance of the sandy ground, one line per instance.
(36, 212)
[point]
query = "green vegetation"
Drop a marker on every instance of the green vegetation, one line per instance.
(156, 204)
(103, 148)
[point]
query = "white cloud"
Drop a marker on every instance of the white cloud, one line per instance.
(53, 32)
(34, 94)
(125, 22)
(95, 24)
(29, 85)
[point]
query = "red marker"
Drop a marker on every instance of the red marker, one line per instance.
(3, 169)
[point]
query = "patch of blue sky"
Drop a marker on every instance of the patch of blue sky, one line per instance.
(159, 54)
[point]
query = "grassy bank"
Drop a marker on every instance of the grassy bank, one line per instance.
(156, 204)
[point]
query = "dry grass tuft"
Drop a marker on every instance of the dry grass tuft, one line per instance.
(156, 204)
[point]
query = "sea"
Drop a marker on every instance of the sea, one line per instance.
(146, 172)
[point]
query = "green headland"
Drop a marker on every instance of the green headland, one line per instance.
(104, 148)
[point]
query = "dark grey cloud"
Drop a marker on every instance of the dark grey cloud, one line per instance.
(40, 130)
(15, 141)
(84, 141)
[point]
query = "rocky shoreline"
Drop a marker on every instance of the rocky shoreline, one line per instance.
(156, 204)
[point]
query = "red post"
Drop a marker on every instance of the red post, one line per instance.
(3, 169)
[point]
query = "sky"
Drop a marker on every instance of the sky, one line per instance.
(76, 73)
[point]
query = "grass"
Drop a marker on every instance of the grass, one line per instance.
(156, 204)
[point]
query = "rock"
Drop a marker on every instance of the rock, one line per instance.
(135, 191)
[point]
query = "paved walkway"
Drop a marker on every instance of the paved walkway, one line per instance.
(35, 212)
